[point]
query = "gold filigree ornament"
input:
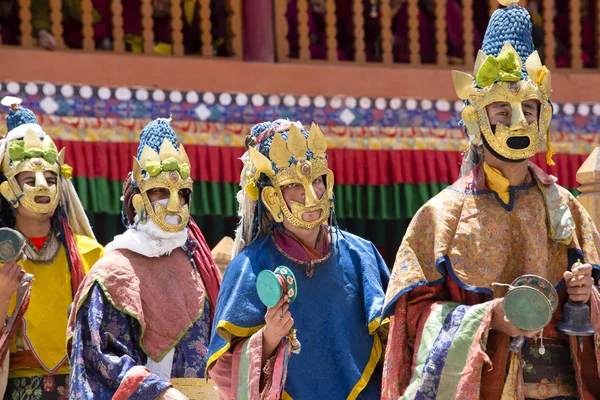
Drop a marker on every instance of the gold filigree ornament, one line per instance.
(293, 166)
(168, 169)
(497, 79)
(32, 154)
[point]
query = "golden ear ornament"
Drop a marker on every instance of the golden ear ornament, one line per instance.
(138, 204)
(8, 194)
(271, 201)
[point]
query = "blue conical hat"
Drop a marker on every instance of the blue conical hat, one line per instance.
(17, 115)
(155, 133)
(511, 24)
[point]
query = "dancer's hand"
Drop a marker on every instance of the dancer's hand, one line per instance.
(579, 283)
(279, 321)
(10, 279)
(172, 394)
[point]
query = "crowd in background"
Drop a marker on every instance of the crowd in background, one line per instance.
(132, 26)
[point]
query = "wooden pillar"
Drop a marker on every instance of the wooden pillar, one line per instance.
(575, 24)
(440, 33)
(331, 30)
(597, 32)
(281, 27)
(493, 6)
(387, 36)
(549, 44)
(468, 38)
(87, 28)
(303, 31)
(259, 37)
(26, 28)
(235, 14)
(117, 26)
(588, 177)
(177, 27)
(206, 28)
(413, 32)
(359, 31)
(56, 18)
(147, 26)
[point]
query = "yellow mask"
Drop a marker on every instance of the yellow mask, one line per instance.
(37, 156)
(302, 171)
(499, 81)
(168, 169)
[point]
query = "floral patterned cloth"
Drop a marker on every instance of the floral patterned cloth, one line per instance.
(541, 378)
(106, 346)
(49, 387)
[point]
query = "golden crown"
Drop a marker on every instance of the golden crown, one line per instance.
(167, 159)
(297, 145)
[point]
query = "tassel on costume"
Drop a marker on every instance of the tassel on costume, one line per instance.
(550, 150)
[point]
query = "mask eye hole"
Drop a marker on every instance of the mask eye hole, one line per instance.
(158, 194)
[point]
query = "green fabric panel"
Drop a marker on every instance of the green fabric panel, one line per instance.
(243, 388)
(202, 201)
(217, 198)
(430, 333)
(383, 202)
(460, 349)
(213, 198)
(99, 195)
(372, 199)
(230, 198)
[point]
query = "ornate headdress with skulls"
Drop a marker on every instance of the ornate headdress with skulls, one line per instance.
(507, 69)
(161, 164)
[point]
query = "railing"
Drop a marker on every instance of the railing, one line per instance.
(383, 32)
(180, 27)
(436, 32)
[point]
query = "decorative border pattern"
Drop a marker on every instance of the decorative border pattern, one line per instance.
(68, 100)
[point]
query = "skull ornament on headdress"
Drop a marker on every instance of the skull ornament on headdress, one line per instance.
(29, 149)
(161, 164)
(300, 160)
(501, 76)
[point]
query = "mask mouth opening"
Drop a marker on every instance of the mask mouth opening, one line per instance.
(518, 142)
(42, 199)
(305, 215)
(173, 219)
